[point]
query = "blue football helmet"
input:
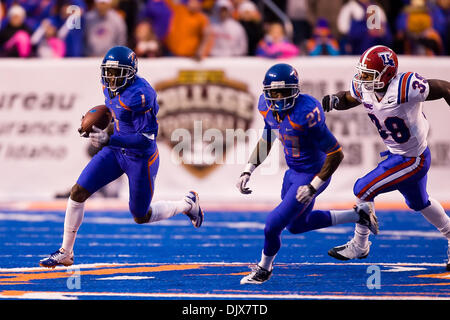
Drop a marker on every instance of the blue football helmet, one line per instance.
(281, 87)
(119, 67)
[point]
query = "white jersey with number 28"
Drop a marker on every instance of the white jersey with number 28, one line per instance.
(398, 114)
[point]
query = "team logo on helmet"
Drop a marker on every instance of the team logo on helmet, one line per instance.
(386, 57)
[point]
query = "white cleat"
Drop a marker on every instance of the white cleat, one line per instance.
(349, 251)
(195, 213)
(258, 275)
(57, 258)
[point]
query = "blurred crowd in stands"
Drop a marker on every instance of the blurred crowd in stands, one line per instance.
(222, 28)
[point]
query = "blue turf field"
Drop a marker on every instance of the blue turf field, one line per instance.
(118, 259)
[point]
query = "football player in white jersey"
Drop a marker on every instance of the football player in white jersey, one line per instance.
(393, 102)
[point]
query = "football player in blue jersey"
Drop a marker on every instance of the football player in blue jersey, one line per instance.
(130, 149)
(312, 154)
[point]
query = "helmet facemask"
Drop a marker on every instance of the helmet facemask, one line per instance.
(368, 80)
(116, 76)
(280, 96)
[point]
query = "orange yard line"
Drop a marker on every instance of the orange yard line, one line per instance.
(15, 278)
(445, 275)
(423, 285)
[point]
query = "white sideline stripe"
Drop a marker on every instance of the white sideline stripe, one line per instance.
(74, 295)
(126, 278)
(392, 177)
(30, 217)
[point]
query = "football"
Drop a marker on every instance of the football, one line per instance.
(99, 116)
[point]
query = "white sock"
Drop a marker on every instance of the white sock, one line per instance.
(72, 222)
(266, 261)
(162, 210)
(361, 236)
(343, 216)
(435, 214)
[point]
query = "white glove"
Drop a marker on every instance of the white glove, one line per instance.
(305, 194)
(99, 137)
(242, 183)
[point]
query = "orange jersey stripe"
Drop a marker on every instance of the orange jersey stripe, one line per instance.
(403, 85)
(123, 105)
(333, 148)
(153, 157)
(332, 152)
(294, 125)
(264, 113)
(151, 160)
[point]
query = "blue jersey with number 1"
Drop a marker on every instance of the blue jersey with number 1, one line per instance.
(134, 112)
(131, 149)
(303, 133)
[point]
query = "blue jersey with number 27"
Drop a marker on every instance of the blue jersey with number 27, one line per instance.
(305, 136)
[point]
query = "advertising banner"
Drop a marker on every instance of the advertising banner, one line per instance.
(209, 125)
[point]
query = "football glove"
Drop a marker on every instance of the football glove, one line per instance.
(329, 102)
(242, 183)
(305, 194)
(99, 137)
